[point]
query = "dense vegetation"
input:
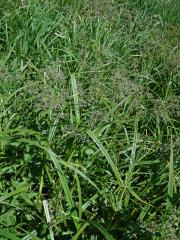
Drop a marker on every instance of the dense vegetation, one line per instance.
(89, 119)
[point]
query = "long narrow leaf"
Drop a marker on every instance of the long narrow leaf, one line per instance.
(107, 156)
(7, 234)
(75, 98)
(65, 186)
(8, 195)
(101, 229)
(79, 195)
(171, 178)
(80, 231)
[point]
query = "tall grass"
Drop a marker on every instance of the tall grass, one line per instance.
(89, 119)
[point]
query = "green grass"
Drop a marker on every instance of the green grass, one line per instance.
(89, 119)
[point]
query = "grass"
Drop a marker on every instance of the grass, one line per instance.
(89, 119)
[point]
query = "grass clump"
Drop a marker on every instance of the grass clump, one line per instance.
(89, 120)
